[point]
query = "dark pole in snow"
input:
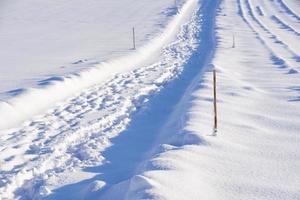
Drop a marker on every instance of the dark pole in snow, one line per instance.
(133, 38)
(215, 101)
(175, 7)
(233, 40)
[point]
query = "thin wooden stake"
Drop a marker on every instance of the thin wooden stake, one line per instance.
(133, 38)
(175, 7)
(215, 102)
(233, 40)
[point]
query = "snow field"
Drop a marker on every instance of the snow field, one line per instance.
(35, 100)
(74, 133)
(255, 154)
(42, 39)
(94, 144)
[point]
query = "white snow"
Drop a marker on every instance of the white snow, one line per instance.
(140, 126)
(256, 152)
(42, 39)
(56, 89)
(73, 133)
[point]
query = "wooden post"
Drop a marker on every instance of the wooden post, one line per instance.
(175, 7)
(233, 40)
(215, 102)
(133, 38)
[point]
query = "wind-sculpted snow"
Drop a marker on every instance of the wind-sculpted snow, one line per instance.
(140, 127)
(255, 154)
(35, 100)
(74, 133)
(291, 9)
(282, 54)
(41, 39)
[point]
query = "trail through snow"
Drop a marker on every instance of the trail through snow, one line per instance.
(255, 154)
(74, 134)
(144, 131)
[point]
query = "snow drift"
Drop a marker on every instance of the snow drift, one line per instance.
(35, 100)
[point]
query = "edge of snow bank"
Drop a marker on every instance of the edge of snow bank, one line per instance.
(35, 100)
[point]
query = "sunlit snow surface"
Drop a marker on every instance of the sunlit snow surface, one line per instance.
(41, 39)
(140, 126)
(255, 154)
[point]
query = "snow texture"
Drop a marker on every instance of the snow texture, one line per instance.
(141, 126)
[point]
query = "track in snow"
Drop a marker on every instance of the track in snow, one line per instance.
(78, 134)
(284, 52)
(74, 134)
(255, 155)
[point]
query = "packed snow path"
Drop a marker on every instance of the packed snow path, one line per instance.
(255, 154)
(75, 134)
(164, 110)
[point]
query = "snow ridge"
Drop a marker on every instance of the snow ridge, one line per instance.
(35, 100)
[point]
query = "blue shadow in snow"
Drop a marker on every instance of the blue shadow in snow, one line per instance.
(50, 80)
(130, 147)
(294, 89)
(16, 92)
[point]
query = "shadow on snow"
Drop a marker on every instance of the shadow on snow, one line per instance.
(130, 147)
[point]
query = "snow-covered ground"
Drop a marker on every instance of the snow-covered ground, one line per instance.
(75, 131)
(42, 39)
(256, 152)
(143, 129)
(107, 52)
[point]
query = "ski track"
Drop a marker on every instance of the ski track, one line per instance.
(280, 54)
(284, 18)
(289, 47)
(283, 35)
(75, 133)
(287, 9)
(284, 25)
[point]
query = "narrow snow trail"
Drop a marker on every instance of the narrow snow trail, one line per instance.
(255, 154)
(27, 102)
(163, 107)
(74, 134)
(140, 127)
